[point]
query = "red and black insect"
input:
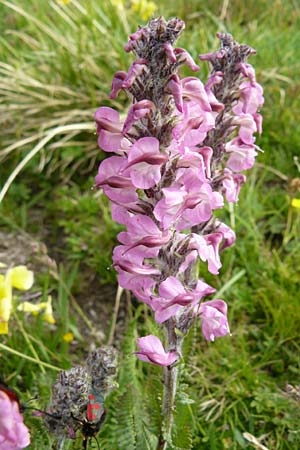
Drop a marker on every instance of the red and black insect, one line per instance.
(94, 418)
(11, 394)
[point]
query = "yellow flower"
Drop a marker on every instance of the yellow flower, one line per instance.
(144, 8)
(19, 277)
(5, 303)
(68, 337)
(295, 203)
(48, 314)
(34, 309)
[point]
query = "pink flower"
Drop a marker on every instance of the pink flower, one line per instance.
(109, 129)
(142, 231)
(184, 57)
(135, 70)
(193, 89)
(232, 184)
(169, 52)
(214, 319)
(242, 156)
(136, 112)
(112, 179)
(133, 38)
(251, 98)
(215, 78)
(188, 205)
(247, 127)
(152, 351)
(207, 247)
(14, 435)
(117, 83)
(174, 87)
(193, 128)
(228, 234)
(144, 162)
(173, 297)
(133, 272)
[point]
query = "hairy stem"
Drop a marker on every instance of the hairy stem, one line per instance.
(170, 387)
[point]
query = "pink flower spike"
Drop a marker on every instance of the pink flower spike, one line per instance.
(135, 70)
(144, 162)
(137, 112)
(152, 351)
(14, 435)
(117, 83)
(169, 52)
(214, 319)
(175, 89)
(185, 58)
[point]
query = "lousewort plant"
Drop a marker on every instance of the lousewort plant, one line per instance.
(179, 154)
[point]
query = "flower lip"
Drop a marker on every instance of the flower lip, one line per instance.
(115, 181)
(149, 159)
(130, 267)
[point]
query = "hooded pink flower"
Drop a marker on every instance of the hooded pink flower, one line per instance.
(14, 435)
(132, 270)
(109, 129)
(135, 70)
(142, 231)
(144, 162)
(136, 112)
(183, 57)
(232, 184)
(251, 98)
(117, 83)
(214, 319)
(115, 182)
(228, 234)
(193, 128)
(151, 350)
(193, 89)
(242, 156)
(173, 297)
(207, 247)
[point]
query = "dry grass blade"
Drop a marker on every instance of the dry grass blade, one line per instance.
(50, 135)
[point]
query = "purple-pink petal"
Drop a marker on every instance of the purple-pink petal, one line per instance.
(214, 319)
(151, 350)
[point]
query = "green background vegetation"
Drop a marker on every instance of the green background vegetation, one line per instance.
(56, 65)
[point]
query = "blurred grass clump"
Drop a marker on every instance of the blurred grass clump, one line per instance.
(57, 59)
